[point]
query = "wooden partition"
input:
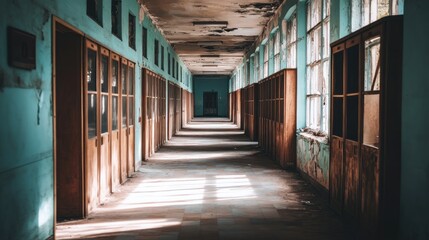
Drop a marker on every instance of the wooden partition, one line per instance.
(187, 107)
(109, 122)
(277, 116)
(251, 111)
(174, 109)
(154, 112)
(236, 108)
(365, 127)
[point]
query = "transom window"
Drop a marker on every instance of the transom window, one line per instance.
(365, 12)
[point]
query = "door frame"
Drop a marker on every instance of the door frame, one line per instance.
(55, 22)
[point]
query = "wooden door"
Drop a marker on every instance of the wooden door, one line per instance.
(92, 125)
(68, 114)
(210, 105)
(123, 122)
(104, 142)
(130, 119)
(114, 125)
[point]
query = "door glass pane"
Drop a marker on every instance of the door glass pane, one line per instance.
(115, 112)
(104, 113)
(92, 115)
(131, 81)
(372, 64)
(104, 74)
(124, 78)
(91, 75)
(131, 111)
(115, 75)
(371, 123)
(124, 112)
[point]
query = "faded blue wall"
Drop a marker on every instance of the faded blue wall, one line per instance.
(26, 132)
(217, 84)
(415, 119)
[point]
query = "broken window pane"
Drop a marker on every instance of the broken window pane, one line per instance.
(371, 120)
(372, 64)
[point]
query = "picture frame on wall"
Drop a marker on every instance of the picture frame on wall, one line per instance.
(21, 47)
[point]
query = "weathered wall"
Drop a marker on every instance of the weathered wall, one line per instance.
(217, 84)
(26, 129)
(415, 119)
(313, 158)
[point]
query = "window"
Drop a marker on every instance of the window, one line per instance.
(180, 75)
(156, 52)
(276, 44)
(144, 42)
(173, 72)
(256, 62)
(291, 42)
(365, 12)
(116, 18)
(317, 64)
(132, 31)
(266, 60)
(177, 70)
(169, 64)
(94, 10)
(162, 58)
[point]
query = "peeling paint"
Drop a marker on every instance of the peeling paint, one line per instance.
(313, 159)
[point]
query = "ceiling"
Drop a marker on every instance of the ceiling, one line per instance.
(211, 36)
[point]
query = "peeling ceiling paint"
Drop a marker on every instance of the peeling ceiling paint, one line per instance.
(246, 21)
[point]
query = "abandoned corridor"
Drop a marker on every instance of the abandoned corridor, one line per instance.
(210, 182)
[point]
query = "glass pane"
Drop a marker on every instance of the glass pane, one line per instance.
(371, 120)
(124, 112)
(115, 75)
(372, 64)
(352, 117)
(115, 113)
(131, 81)
(131, 111)
(104, 74)
(337, 126)
(124, 78)
(338, 73)
(91, 75)
(104, 114)
(92, 115)
(383, 8)
(353, 69)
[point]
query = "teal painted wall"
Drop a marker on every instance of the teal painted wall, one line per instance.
(26, 132)
(217, 84)
(312, 152)
(415, 119)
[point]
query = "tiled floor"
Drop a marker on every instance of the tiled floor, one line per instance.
(210, 182)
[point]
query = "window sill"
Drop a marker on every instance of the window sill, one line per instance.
(312, 137)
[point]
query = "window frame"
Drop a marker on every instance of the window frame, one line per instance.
(317, 66)
(98, 11)
(132, 30)
(291, 40)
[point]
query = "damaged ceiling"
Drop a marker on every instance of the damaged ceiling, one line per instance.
(211, 37)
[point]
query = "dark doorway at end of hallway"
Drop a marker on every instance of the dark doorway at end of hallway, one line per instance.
(210, 108)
